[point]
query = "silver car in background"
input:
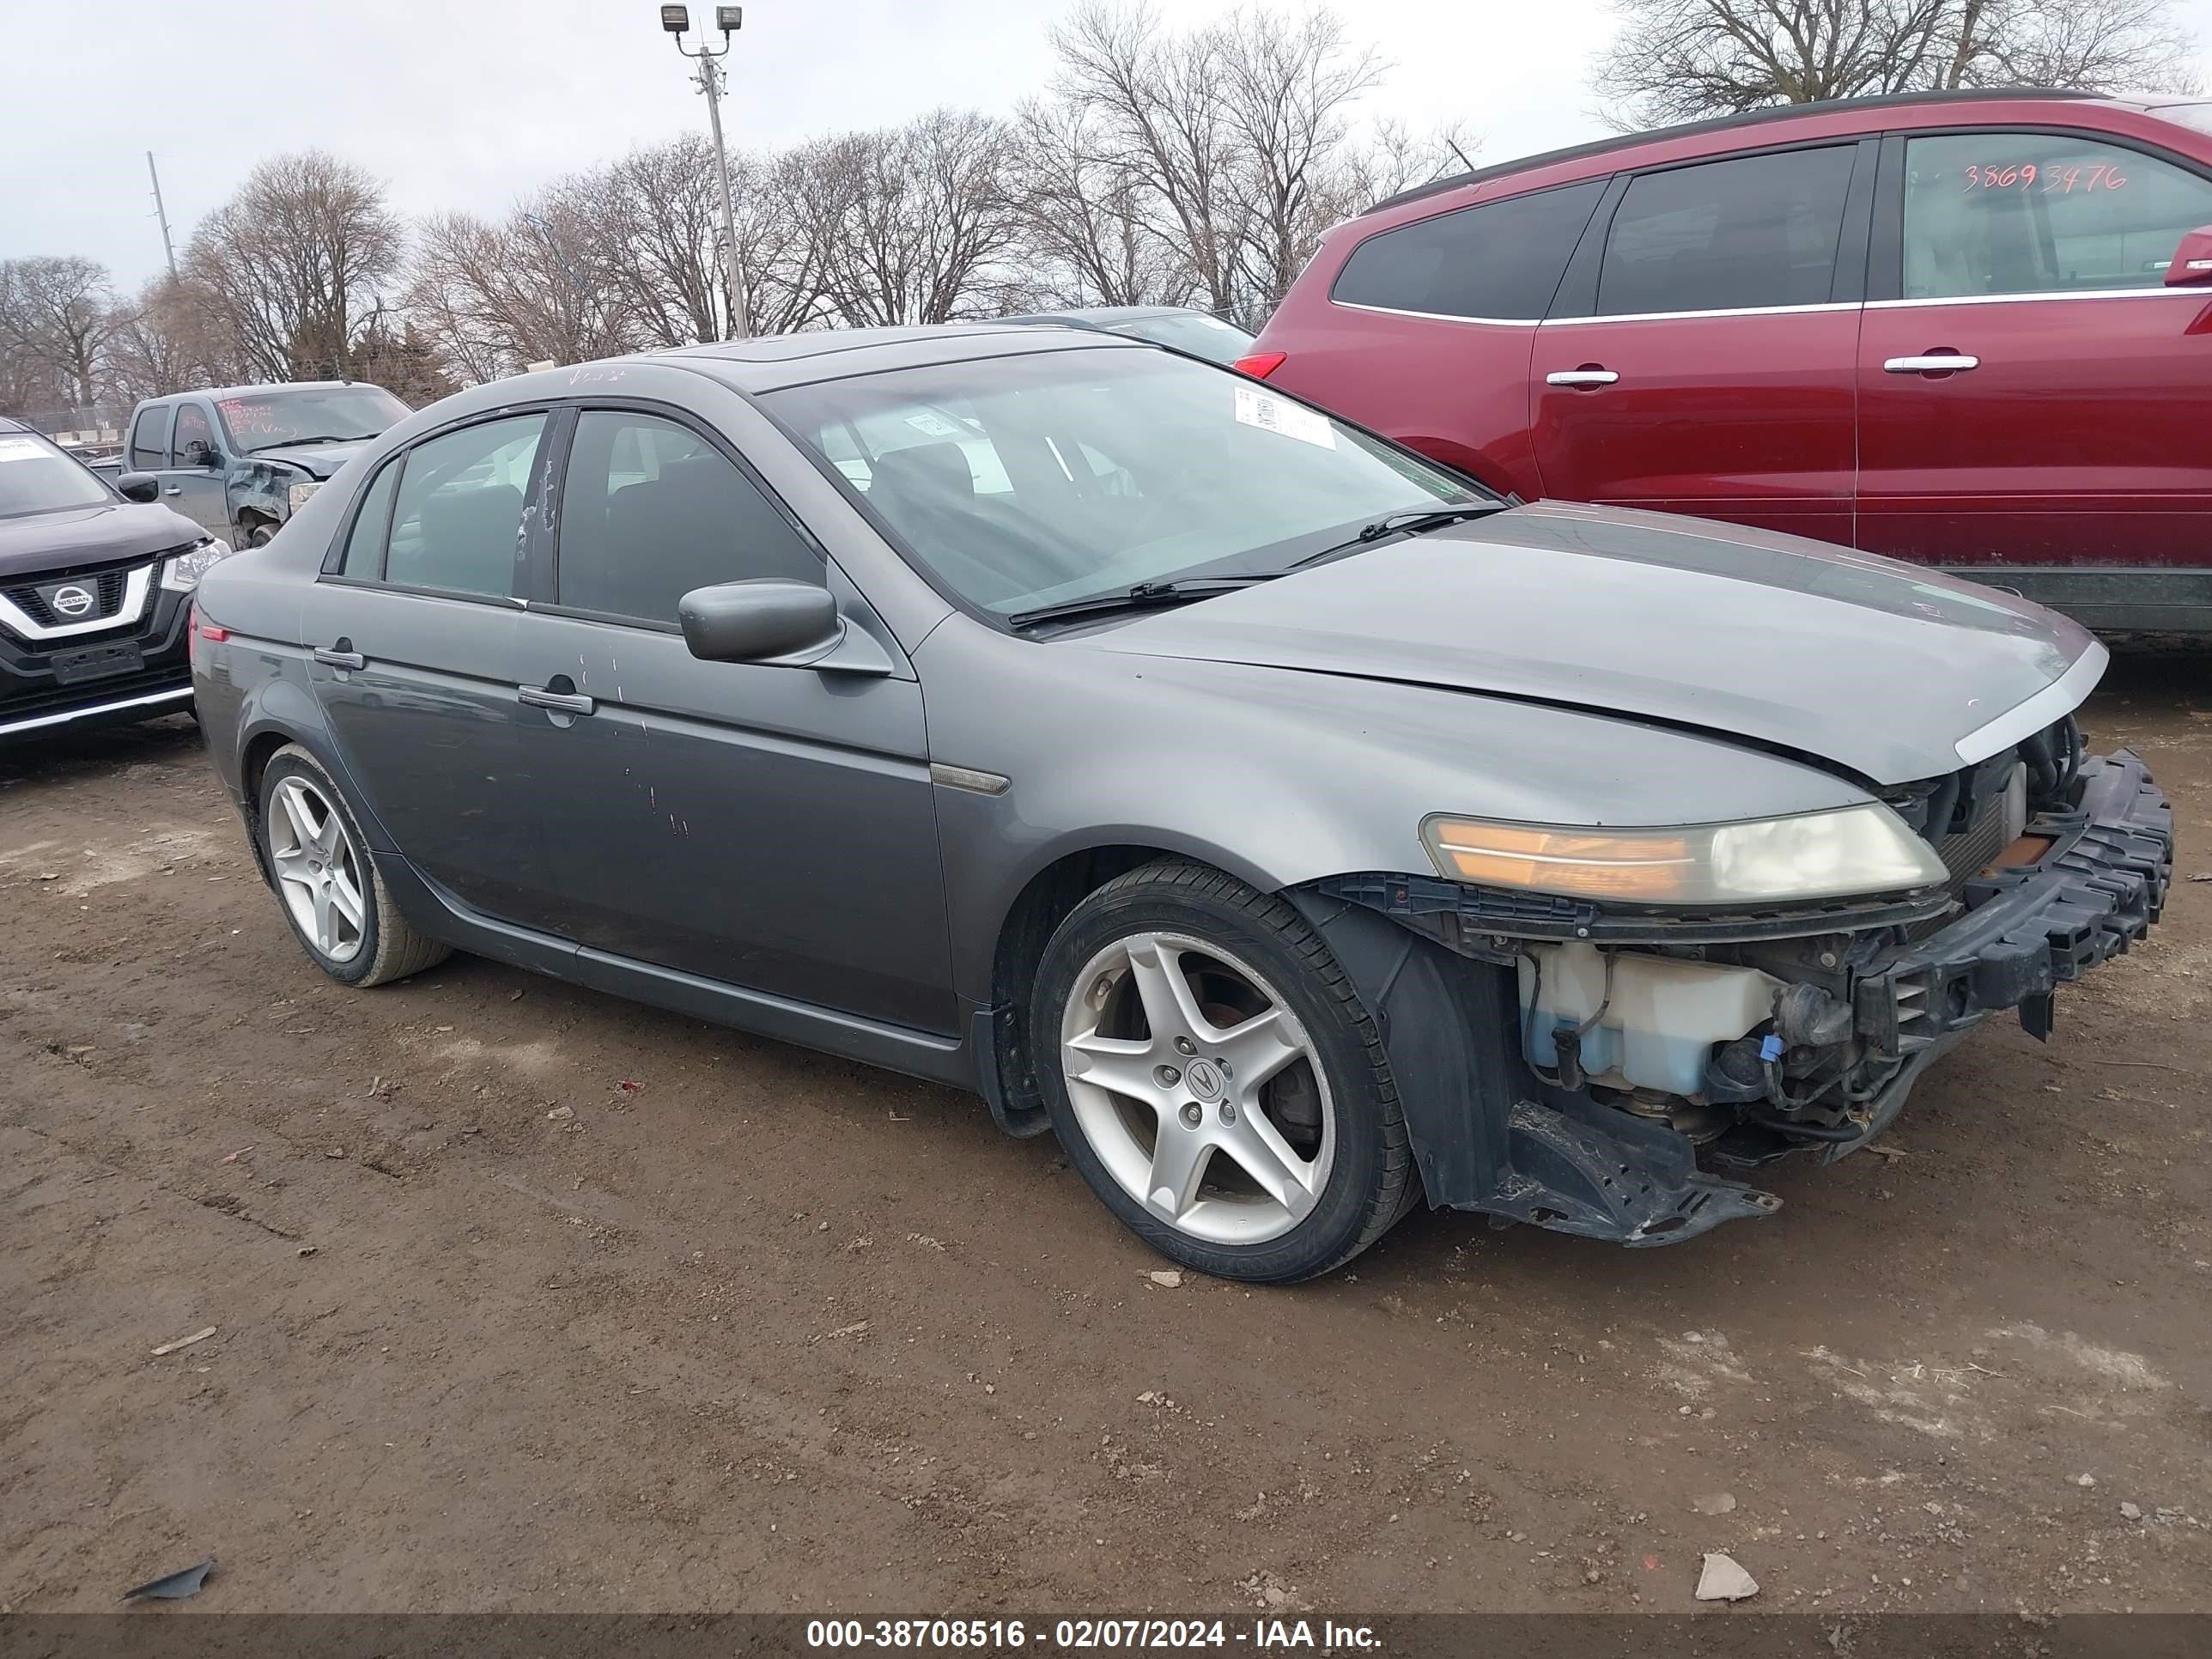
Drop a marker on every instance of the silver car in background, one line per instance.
(1296, 829)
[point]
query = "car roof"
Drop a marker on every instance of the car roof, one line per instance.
(781, 359)
(257, 391)
(1779, 114)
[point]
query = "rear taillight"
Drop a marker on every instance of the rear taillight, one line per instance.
(1261, 364)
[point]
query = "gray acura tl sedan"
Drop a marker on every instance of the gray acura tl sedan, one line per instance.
(1294, 829)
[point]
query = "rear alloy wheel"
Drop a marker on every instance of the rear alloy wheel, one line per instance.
(326, 879)
(1218, 1083)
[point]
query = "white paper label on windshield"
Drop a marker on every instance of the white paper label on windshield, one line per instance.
(22, 449)
(1272, 414)
(930, 424)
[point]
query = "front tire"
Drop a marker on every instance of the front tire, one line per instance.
(1215, 1077)
(326, 880)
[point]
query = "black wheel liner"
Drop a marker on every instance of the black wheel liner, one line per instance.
(1487, 1133)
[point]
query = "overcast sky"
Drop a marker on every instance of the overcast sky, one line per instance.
(471, 103)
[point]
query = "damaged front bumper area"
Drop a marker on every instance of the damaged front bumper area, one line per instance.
(1536, 1090)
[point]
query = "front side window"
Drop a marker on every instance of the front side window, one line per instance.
(1751, 232)
(37, 478)
(192, 428)
(150, 440)
(1022, 481)
(309, 415)
(650, 510)
(1501, 260)
(2041, 213)
(457, 524)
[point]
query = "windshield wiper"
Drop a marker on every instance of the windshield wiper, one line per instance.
(1142, 596)
(1412, 522)
(317, 438)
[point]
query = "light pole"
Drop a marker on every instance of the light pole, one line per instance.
(728, 19)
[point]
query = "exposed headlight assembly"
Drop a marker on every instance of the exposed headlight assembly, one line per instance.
(183, 571)
(1814, 855)
(297, 496)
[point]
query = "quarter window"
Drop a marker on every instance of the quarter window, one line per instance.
(1750, 231)
(1502, 259)
(650, 510)
(2041, 213)
(364, 553)
(150, 440)
(458, 523)
(192, 428)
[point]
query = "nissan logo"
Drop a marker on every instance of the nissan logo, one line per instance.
(72, 601)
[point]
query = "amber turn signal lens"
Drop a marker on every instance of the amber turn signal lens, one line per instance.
(1556, 861)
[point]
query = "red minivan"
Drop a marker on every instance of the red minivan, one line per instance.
(1972, 330)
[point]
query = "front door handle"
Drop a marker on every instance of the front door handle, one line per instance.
(1588, 376)
(330, 656)
(1936, 362)
(174, 489)
(566, 703)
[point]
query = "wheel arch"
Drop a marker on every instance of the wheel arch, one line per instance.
(1026, 921)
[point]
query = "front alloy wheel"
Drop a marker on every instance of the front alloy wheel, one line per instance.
(1216, 1080)
(1198, 1088)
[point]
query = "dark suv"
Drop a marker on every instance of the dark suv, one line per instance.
(96, 591)
(1972, 330)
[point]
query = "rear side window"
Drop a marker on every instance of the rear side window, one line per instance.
(1501, 260)
(150, 440)
(2041, 213)
(650, 510)
(192, 428)
(457, 524)
(1751, 231)
(364, 553)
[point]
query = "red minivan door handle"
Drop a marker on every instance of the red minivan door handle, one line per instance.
(1941, 361)
(1588, 377)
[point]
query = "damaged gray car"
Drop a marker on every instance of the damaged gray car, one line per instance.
(1297, 830)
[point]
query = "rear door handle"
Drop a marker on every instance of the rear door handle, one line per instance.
(335, 658)
(1937, 362)
(1585, 376)
(567, 702)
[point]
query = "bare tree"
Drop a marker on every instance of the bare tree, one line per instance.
(1231, 147)
(1084, 226)
(494, 297)
(1678, 60)
(905, 225)
(289, 265)
(160, 345)
(57, 316)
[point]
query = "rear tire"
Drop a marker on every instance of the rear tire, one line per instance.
(327, 884)
(1214, 1077)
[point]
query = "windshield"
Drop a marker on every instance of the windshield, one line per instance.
(1188, 330)
(1023, 482)
(268, 419)
(37, 478)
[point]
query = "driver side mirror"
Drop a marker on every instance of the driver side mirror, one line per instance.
(2192, 260)
(200, 453)
(138, 487)
(765, 620)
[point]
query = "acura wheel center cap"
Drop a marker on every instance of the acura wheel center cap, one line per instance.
(1203, 1078)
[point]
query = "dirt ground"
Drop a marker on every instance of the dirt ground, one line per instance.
(494, 1329)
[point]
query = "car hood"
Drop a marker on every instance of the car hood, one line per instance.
(1893, 673)
(320, 459)
(36, 543)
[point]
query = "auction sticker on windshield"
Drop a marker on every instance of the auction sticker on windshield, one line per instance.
(21, 449)
(1270, 414)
